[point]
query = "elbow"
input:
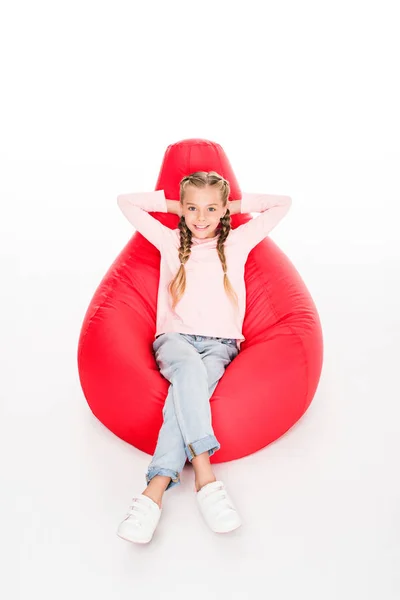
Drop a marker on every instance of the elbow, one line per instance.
(288, 202)
(121, 200)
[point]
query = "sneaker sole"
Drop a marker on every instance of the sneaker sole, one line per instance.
(146, 541)
(227, 530)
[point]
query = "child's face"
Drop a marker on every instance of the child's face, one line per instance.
(202, 206)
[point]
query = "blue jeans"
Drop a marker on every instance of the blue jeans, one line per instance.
(193, 364)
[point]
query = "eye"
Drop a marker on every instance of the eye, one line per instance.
(194, 208)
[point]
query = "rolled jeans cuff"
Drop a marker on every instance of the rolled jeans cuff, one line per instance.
(175, 477)
(208, 443)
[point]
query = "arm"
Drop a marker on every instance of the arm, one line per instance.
(272, 208)
(234, 206)
(174, 207)
(136, 207)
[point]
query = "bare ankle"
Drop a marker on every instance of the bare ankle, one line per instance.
(156, 488)
(156, 498)
(203, 470)
(199, 483)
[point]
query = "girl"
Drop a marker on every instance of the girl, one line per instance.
(200, 311)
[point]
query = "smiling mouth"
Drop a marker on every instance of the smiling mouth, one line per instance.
(201, 228)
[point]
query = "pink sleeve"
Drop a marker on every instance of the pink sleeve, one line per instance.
(272, 208)
(136, 207)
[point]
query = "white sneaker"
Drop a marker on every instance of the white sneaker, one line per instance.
(217, 508)
(140, 521)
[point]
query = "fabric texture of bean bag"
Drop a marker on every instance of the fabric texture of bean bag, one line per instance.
(263, 392)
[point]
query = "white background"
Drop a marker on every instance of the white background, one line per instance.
(303, 98)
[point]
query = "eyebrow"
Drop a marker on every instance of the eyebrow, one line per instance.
(193, 204)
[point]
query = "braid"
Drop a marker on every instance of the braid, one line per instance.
(186, 241)
(178, 284)
(224, 232)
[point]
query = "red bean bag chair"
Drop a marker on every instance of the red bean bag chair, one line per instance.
(263, 392)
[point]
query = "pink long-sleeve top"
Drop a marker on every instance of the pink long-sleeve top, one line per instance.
(205, 308)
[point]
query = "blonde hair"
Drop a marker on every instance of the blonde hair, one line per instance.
(202, 179)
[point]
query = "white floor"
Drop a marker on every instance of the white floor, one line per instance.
(320, 506)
